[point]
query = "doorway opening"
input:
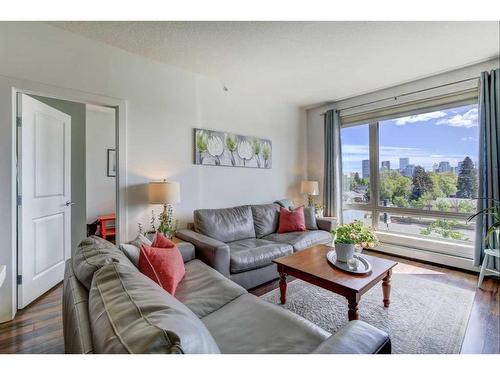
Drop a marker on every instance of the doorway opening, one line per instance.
(66, 184)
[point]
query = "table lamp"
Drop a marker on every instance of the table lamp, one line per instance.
(165, 193)
(311, 188)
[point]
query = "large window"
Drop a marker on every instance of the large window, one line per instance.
(414, 176)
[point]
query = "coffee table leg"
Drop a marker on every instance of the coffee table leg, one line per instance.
(282, 286)
(386, 288)
(353, 313)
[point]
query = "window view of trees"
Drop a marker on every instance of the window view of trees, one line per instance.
(431, 190)
(427, 162)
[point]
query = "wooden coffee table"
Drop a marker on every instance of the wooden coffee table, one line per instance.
(312, 266)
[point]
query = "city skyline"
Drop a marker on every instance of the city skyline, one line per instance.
(441, 167)
(426, 139)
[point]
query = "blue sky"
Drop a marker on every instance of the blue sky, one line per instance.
(427, 138)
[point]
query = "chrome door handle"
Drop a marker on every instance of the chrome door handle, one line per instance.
(68, 203)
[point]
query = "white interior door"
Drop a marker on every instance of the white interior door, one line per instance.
(44, 208)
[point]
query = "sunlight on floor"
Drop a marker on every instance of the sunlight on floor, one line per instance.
(402, 268)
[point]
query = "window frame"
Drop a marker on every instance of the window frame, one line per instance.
(373, 205)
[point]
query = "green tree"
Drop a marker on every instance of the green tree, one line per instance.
(356, 178)
(422, 183)
(423, 201)
(400, 201)
(393, 185)
(444, 184)
(443, 205)
(466, 207)
(467, 180)
(444, 227)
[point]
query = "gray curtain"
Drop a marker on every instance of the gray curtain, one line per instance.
(332, 193)
(489, 157)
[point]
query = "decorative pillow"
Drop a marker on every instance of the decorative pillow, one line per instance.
(286, 203)
(132, 249)
(161, 241)
(139, 240)
(310, 218)
(292, 220)
(164, 266)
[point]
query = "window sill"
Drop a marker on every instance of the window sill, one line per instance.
(428, 256)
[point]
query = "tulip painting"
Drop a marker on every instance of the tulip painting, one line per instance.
(231, 150)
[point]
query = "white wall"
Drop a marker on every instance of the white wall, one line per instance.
(315, 122)
(99, 137)
(164, 104)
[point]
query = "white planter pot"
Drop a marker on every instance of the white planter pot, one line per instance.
(344, 251)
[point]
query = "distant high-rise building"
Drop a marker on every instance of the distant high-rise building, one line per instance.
(409, 170)
(403, 162)
(386, 165)
(435, 167)
(366, 168)
(444, 167)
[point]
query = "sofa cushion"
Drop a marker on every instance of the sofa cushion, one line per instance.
(132, 248)
(249, 325)
(255, 253)
(225, 224)
(205, 290)
(301, 240)
(265, 218)
(310, 218)
(92, 254)
(76, 325)
(129, 313)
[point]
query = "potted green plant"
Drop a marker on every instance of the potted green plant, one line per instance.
(494, 228)
(347, 236)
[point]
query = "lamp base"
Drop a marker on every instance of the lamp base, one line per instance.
(310, 201)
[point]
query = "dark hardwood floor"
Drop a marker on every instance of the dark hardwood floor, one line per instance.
(38, 327)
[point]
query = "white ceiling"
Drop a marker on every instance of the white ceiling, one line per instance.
(304, 62)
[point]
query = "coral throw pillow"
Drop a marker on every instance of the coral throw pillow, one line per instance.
(292, 220)
(162, 265)
(161, 241)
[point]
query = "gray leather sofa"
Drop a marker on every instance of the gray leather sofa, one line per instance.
(110, 307)
(241, 242)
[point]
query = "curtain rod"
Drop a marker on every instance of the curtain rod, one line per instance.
(405, 94)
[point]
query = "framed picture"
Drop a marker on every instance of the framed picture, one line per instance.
(111, 163)
(231, 150)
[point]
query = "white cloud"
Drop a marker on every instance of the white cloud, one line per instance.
(419, 118)
(466, 120)
(468, 139)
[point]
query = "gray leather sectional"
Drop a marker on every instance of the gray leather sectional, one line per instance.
(111, 307)
(241, 242)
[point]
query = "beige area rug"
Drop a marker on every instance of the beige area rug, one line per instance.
(425, 316)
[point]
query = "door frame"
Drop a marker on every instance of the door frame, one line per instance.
(120, 106)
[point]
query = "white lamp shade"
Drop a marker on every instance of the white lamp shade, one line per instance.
(309, 187)
(164, 192)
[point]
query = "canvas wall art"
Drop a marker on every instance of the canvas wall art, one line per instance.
(231, 150)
